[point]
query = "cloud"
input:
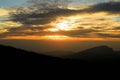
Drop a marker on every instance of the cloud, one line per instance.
(3, 30)
(40, 18)
(38, 31)
(110, 7)
(79, 33)
(3, 12)
(37, 17)
(24, 31)
(103, 35)
(117, 28)
(8, 24)
(85, 26)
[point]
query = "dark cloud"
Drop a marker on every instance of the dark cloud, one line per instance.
(36, 17)
(79, 33)
(108, 35)
(117, 28)
(111, 7)
(40, 12)
(22, 28)
(40, 18)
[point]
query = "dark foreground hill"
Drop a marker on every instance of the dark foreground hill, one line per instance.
(102, 54)
(14, 55)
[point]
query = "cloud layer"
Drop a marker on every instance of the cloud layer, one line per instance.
(98, 20)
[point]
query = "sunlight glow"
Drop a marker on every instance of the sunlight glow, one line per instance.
(60, 26)
(65, 24)
(57, 37)
(53, 29)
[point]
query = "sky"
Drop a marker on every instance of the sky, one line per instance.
(78, 23)
(11, 3)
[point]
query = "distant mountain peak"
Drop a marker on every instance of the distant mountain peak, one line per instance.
(99, 49)
(102, 46)
(96, 53)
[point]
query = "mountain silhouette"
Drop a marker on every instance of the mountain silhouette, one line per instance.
(13, 55)
(59, 53)
(102, 54)
(98, 54)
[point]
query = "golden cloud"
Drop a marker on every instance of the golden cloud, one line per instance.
(3, 12)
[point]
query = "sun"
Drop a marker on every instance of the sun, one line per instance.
(65, 24)
(62, 26)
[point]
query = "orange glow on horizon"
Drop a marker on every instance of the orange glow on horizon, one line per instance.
(58, 38)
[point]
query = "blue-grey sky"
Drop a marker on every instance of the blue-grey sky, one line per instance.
(13, 3)
(80, 2)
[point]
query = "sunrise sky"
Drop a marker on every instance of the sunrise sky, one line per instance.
(81, 22)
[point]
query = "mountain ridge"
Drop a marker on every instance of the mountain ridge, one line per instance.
(14, 55)
(101, 54)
